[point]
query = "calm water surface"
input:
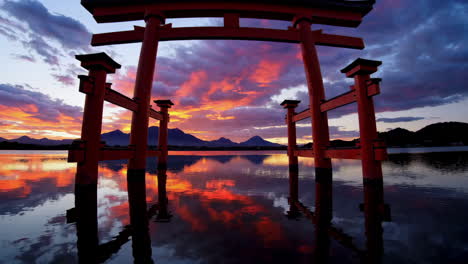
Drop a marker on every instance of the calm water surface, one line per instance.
(228, 207)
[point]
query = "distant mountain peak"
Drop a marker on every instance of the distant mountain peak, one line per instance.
(116, 132)
(258, 142)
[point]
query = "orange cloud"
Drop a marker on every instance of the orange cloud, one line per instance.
(266, 72)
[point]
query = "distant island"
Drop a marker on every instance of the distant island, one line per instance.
(438, 134)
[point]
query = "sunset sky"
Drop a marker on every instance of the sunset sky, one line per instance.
(233, 88)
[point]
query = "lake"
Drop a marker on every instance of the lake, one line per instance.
(229, 207)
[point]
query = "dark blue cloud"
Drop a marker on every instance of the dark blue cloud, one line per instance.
(399, 119)
(66, 30)
(40, 31)
(421, 45)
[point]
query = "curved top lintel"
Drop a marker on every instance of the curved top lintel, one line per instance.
(320, 14)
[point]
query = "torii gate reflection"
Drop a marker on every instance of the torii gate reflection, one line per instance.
(302, 14)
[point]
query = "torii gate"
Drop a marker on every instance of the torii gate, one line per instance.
(301, 13)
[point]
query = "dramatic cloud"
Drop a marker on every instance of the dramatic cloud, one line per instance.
(67, 31)
(54, 38)
(424, 58)
(226, 87)
(233, 88)
(23, 110)
(399, 119)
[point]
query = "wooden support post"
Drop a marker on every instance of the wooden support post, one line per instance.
(374, 211)
(360, 70)
(290, 105)
(141, 241)
(164, 106)
(323, 214)
(142, 93)
(231, 20)
(94, 85)
(87, 223)
(374, 206)
(320, 133)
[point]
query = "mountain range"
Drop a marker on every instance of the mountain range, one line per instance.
(176, 137)
(438, 134)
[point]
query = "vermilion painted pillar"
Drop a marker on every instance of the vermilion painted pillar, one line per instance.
(360, 70)
(374, 206)
(93, 85)
(290, 105)
(320, 133)
(142, 93)
(164, 106)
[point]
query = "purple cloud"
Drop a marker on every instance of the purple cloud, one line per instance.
(64, 79)
(66, 30)
(399, 119)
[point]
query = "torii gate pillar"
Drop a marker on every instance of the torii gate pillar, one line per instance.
(320, 133)
(374, 208)
(164, 106)
(291, 105)
(142, 93)
(360, 70)
(94, 86)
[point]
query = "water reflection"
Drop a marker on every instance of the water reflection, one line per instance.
(230, 209)
(86, 208)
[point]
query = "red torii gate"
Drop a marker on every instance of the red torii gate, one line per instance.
(301, 13)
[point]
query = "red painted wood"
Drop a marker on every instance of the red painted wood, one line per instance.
(308, 153)
(164, 106)
(86, 84)
(339, 41)
(142, 93)
(121, 100)
(231, 20)
(155, 114)
(218, 9)
(348, 98)
(302, 115)
(153, 153)
(87, 171)
(352, 153)
(231, 32)
(121, 37)
(75, 155)
(320, 133)
(360, 70)
(338, 101)
(292, 141)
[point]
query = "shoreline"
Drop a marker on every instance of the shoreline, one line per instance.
(196, 151)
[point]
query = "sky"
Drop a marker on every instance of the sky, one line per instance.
(227, 88)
